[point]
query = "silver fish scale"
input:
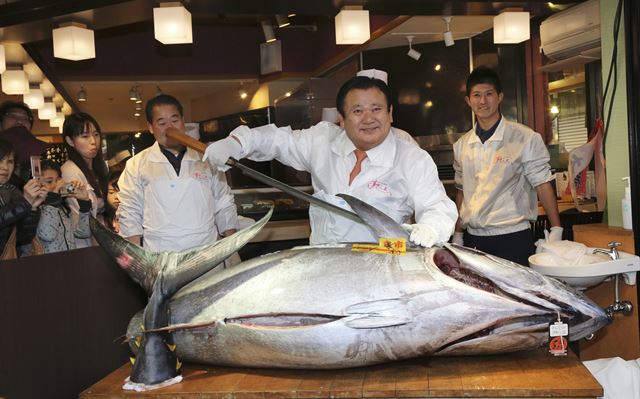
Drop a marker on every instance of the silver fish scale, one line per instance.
(334, 308)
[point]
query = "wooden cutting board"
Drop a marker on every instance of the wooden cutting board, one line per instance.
(532, 374)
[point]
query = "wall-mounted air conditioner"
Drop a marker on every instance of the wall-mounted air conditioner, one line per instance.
(571, 32)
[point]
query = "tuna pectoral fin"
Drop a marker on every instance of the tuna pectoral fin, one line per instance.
(376, 321)
(378, 314)
(379, 222)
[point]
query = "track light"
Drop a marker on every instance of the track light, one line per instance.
(267, 29)
(448, 36)
(82, 94)
(282, 20)
(134, 95)
(413, 53)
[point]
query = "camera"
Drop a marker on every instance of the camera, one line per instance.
(67, 190)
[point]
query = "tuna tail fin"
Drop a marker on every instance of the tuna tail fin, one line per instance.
(141, 265)
(192, 265)
(157, 364)
(379, 222)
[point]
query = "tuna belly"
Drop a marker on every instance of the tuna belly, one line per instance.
(325, 345)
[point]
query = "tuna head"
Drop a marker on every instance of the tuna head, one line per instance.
(523, 285)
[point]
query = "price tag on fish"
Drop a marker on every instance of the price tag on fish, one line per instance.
(558, 331)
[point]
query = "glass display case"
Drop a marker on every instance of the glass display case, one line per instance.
(255, 203)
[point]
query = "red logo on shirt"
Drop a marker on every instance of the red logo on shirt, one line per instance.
(198, 175)
(377, 185)
(502, 159)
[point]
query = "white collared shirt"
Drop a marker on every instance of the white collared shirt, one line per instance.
(173, 212)
(498, 178)
(397, 177)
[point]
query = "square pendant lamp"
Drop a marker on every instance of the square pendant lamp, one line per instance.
(352, 25)
(15, 81)
(57, 121)
(73, 42)
(48, 111)
(34, 98)
(511, 27)
(3, 59)
(172, 24)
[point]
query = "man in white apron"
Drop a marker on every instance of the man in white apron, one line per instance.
(360, 158)
(168, 195)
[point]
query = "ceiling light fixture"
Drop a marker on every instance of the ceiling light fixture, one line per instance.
(14, 82)
(58, 120)
(282, 20)
(48, 111)
(34, 98)
(447, 35)
(73, 41)
(267, 29)
(413, 53)
(82, 94)
(511, 27)
(3, 59)
(172, 24)
(134, 95)
(352, 25)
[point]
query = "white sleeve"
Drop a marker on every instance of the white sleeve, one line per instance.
(457, 166)
(291, 147)
(226, 216)
(131, 209)
(535, 161)
(432, 205)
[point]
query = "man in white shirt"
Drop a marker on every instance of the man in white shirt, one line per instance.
(360, 158)
(168, 195)
(501, 170)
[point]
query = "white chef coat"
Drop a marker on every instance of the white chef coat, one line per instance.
(397, 177)
(70, 172)
(173, 213)
(498, 178)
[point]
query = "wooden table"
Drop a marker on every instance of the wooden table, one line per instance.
(519, 375)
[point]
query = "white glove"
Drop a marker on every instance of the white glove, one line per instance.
(421, 234)
(220, 151)
(458, 238)
(555, 234)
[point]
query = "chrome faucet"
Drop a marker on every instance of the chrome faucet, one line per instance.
(624, 307)
(612, 252)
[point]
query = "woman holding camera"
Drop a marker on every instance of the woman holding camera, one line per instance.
(86, 165)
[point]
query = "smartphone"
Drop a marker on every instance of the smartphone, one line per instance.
(35, 166)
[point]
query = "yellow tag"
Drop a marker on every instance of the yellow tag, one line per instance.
(389, 246)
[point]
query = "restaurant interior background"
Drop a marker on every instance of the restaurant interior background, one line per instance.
(222, 80)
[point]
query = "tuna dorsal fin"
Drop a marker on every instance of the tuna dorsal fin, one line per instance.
(141, 265)
(381, 224)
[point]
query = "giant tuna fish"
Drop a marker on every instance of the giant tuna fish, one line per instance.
(321, 307)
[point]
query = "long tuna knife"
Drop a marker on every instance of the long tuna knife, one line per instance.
(179, 137)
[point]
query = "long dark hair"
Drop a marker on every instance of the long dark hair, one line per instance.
(74, 126)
